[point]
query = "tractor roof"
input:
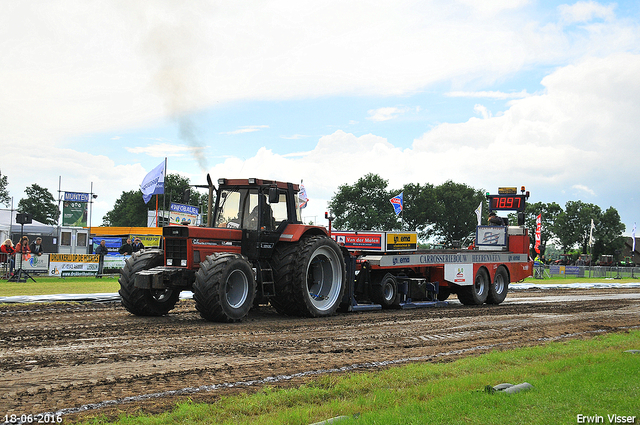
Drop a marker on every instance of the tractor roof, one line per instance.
(256, 182)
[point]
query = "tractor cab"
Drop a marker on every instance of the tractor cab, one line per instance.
(262, 209)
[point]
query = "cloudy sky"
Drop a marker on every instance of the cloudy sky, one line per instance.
(489, 93)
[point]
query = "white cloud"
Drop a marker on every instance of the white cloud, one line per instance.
(388, 113)
(75, 68)
(583, 188)
(246, 129)
(482, 110)
(165, 149)
(489, 94)
(582, 129)
(586, 11)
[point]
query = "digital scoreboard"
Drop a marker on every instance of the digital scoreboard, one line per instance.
(508, 199)
(507, 202)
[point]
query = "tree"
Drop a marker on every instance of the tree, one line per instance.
(420, 207)
(549, 214)
(364, 205)
(608, 234)
(4, 193)
(454, 209)
(40, 204)
(572, 226)
(128, 211)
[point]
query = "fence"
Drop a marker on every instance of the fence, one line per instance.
(612, 272)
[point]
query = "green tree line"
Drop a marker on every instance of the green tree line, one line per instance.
(446, 213)
(442, 213)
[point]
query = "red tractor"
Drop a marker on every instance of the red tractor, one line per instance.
(254, 249)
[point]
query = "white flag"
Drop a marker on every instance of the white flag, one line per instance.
(153, 183)
(591, 240)
(479, 213)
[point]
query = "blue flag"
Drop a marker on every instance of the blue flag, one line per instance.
(396, 201)
(153, 183)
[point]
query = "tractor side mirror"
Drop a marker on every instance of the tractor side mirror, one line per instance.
(274, 195)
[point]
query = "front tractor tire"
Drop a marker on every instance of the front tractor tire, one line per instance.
(310, 277)
(145, 302)
(225, 288)
(477, 293)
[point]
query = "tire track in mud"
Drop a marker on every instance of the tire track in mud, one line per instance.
(65, 356)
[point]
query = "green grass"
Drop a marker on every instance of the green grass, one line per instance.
(55, 285)
(589, 377)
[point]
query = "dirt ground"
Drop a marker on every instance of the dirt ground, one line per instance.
(86, 359)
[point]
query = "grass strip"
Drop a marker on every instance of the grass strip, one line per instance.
(593, 377)
(45, 285)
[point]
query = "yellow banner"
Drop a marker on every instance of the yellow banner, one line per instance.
(401, 241)
(74, 258)
(149, 241)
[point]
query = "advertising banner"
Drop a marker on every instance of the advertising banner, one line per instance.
(112, 243)
(74, 214)
(495, 236)
(402, 241)
(64, 265)
(183, 214)
(33, 263)
(363, 241)
(149, 241)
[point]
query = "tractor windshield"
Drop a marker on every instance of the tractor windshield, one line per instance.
(238, 209)
(235, 206)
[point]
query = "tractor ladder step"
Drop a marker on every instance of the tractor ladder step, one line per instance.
(267, 283)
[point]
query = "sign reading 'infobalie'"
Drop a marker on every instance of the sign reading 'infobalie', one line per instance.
(183, 214)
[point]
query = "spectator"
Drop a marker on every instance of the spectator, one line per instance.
(36, 247)
(22, 248)
(126, 248)
(7, 248)
(494, 220)
(137, 245)
(101, 250)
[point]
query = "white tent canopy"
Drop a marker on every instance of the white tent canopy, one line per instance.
(8, 225)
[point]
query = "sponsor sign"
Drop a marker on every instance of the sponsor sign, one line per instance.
(76, 197)
(402, 241)
(33, 263)
(494, 236)
(64, 265)
(74, 214)
(112, 243)
(183, 214)
(460, 274)
(457, 258)
(359, 241)
(149, 241)
(115, 261)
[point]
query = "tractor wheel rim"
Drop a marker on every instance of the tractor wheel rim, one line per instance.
(237, 288)
(324, 278)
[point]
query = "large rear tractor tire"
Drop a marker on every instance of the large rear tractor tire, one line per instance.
(386, 293)
(499, 288)
(145, 302)
(477, 293)
(224, 288)
(310, 277)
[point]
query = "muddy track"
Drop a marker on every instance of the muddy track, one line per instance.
(65, 356)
